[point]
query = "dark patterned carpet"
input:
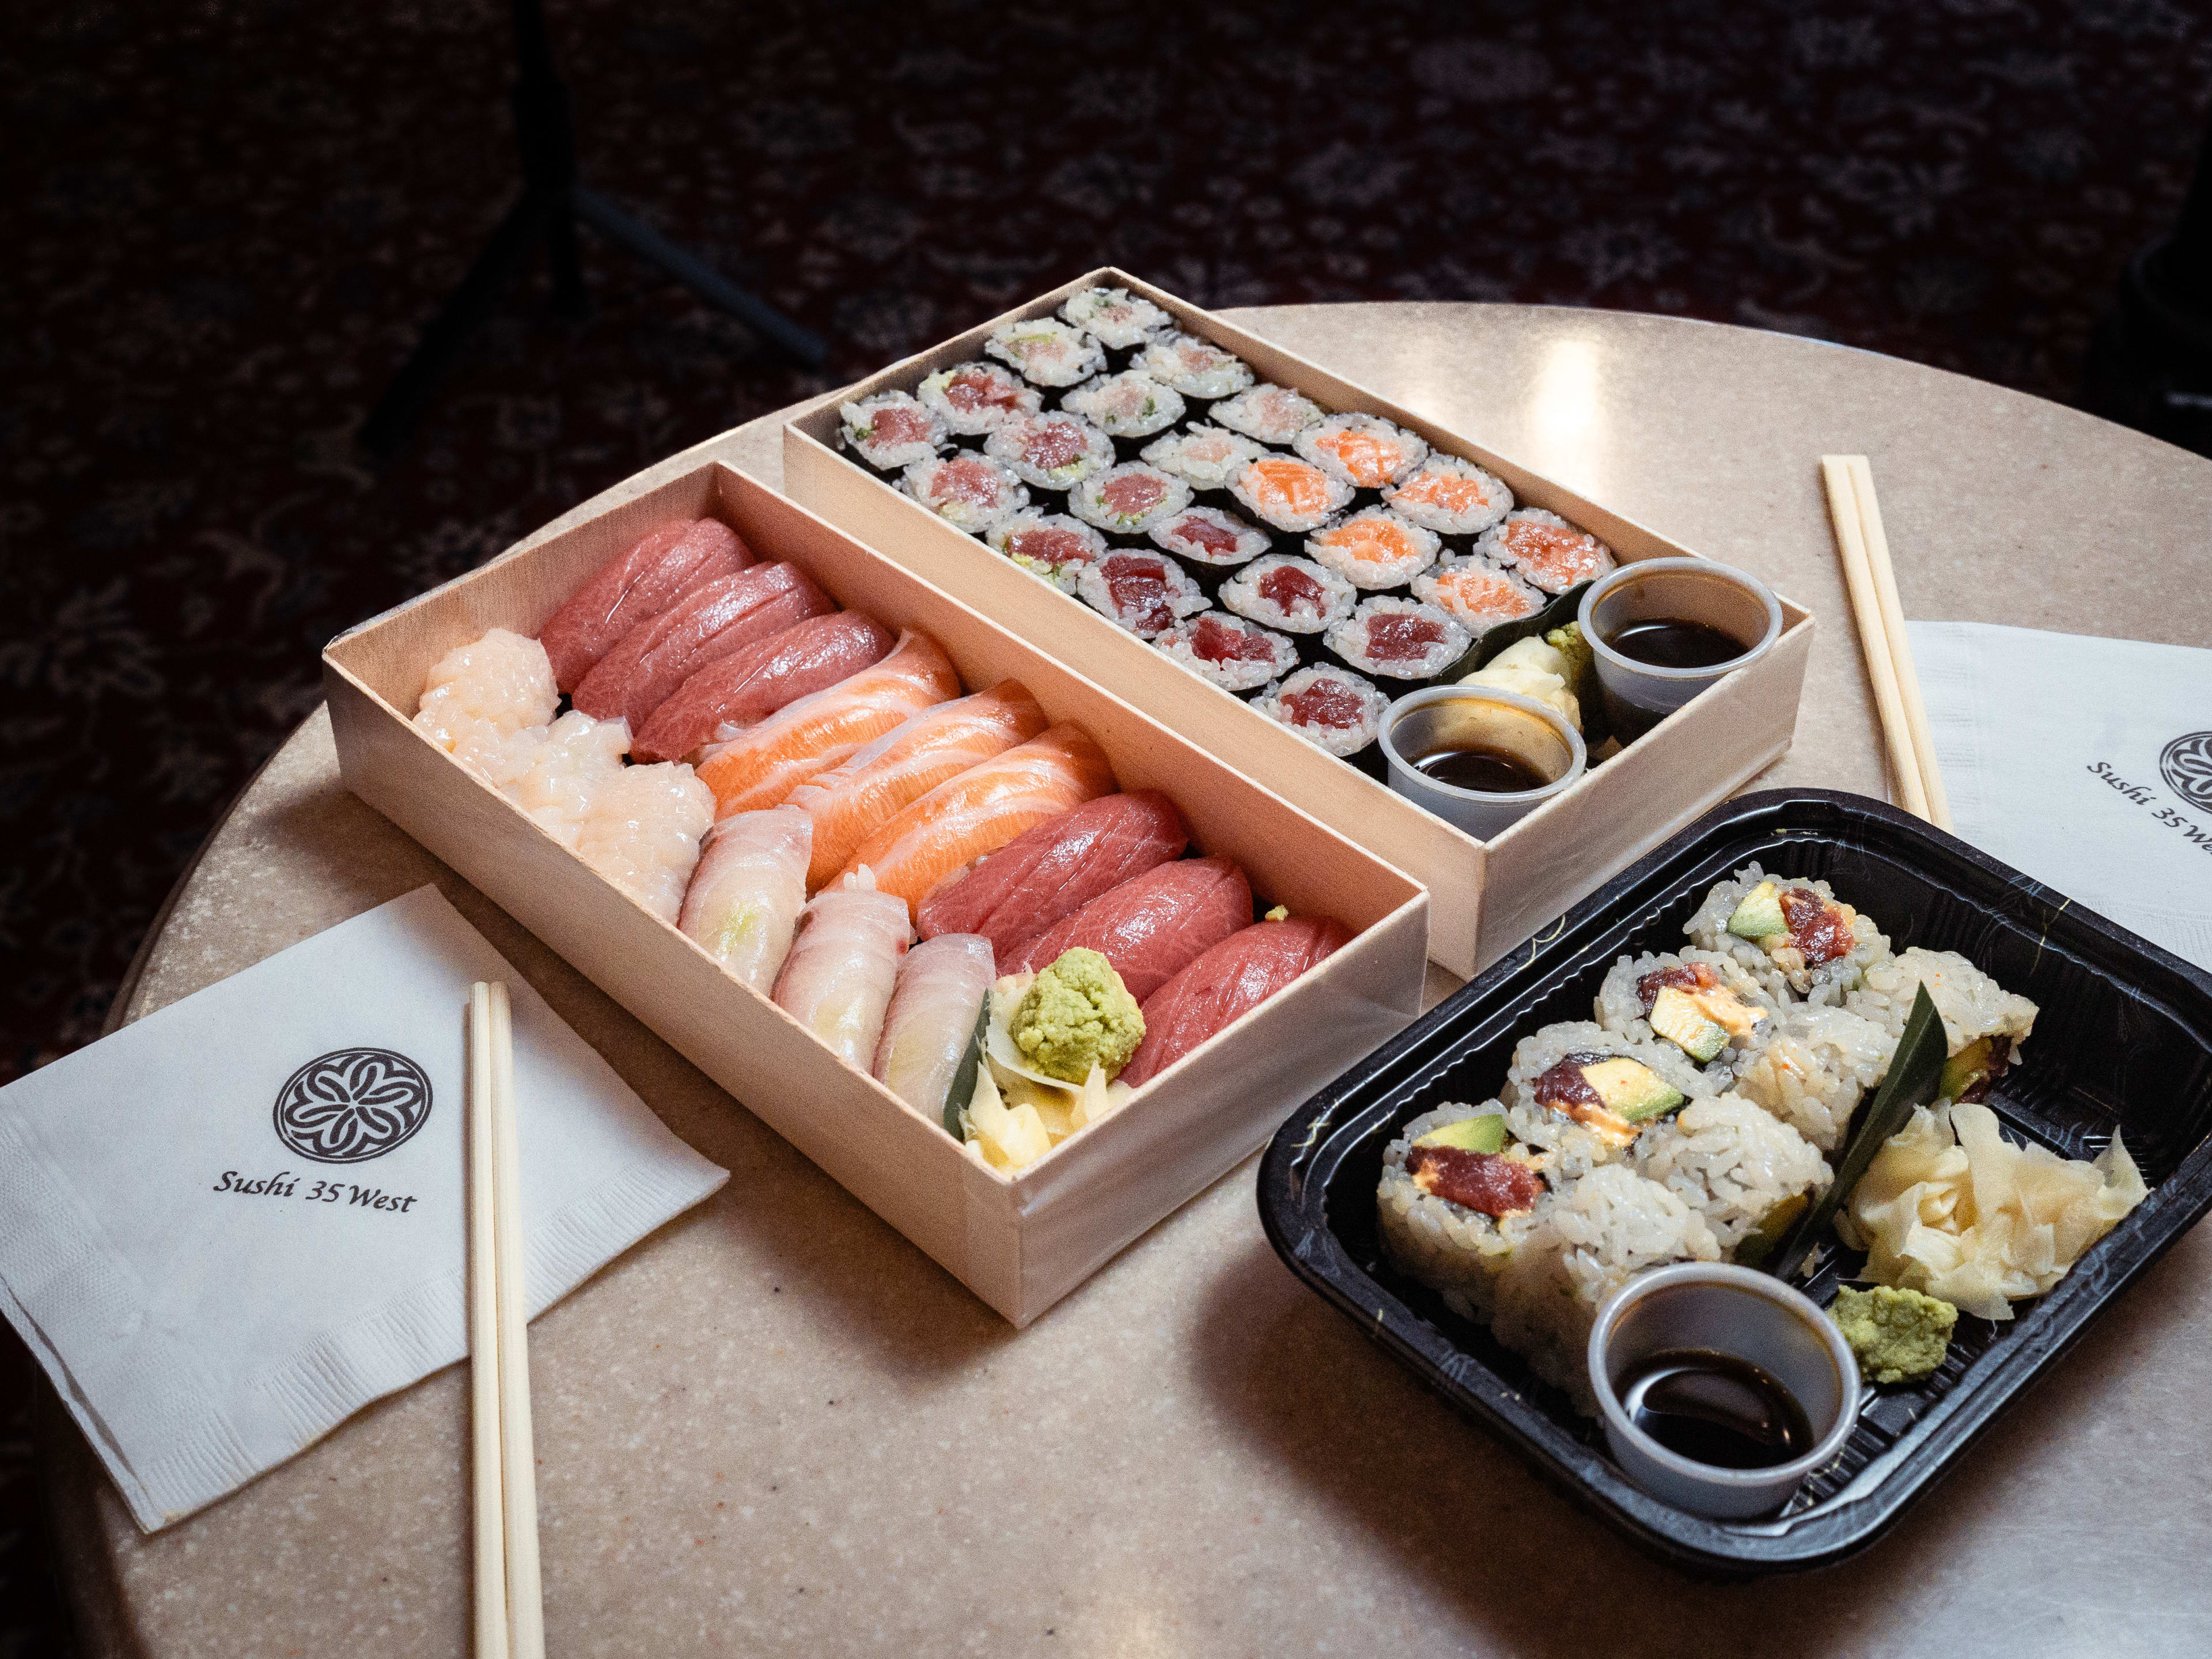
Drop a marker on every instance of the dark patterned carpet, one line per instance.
(226, 224)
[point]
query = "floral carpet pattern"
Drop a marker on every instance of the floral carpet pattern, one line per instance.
(230, 222)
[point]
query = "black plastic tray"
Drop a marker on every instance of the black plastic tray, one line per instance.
(2123, 1038)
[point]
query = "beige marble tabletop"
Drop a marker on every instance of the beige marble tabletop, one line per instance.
(775, 1427)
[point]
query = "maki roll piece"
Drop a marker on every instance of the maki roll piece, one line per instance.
(1233, 654)
(1704, 1003)
(1128, 499)
(1045, 351)
(1399, 639)
(1546, 549)
(1048, 545)
(1206, 535)
(1748, 1174)
(1795, 937)
(1272, 414)
(1451, 496)
(1205, 455)
(1810, 1068)
(1296, 595)
(1615, 1086)
(1195, 367)
(1130, 405)
(973, 398)
(1984, 1023)
(1114, 317)
(1331, 707)
(1052, 452)
(1365, 450)
(1481, 594)
(1144, 592)
(1458, 1194)
(970, 492)
(892, 431)
(1375, 548)
(1288, 493)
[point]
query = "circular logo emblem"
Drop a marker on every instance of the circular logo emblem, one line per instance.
(351, 1105)
(2186, 765)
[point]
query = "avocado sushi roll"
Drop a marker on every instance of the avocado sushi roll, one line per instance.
(1813, 1069)
(1744, 1171)
(1615, 1086)
(1984, 1023)
(1703, 1002)
(1793, 937)
(1457, 1193)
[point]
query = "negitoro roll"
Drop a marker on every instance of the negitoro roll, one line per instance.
(892, 430)
(1363, 450)
(1479, 593)
(1130, 405)
(1144, 592)
(1114, 317)
(1128, 499)
(1451, 496)
(1546, 549)
(1272, 414)
(1053, 451)
(1206, 535)
(1399, 639)
(1205, 455)
(1235, 654)
(968, 491)
(1296, 595)
(1195, 367)
(1288, 493)
(973, 398)
(1376, 549)
(1049, 546)
(1046, 351)
(1332, 708)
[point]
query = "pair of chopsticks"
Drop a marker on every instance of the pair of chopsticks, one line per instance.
(510, 1613)
(1857, 516)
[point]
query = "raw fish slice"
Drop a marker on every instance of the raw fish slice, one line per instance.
(838, 979)
(983, 808)
(641, 829)
(851, 802)
(746, 895)
(940, 991)
(1228, 981)
(747, 686)
(761, 766)
(707, 624)
(1055, 869)
(663, 565)
(1153, 926)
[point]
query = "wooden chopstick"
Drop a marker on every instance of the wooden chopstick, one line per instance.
(1900, 642)
(526, 1608)
(483, 1341)
(1866, 607)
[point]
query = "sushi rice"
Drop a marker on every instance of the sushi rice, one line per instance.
(1228, 651)
(1621, 1006)
(1128, 499)
(1114, 317)
(974, 399)
(1206, 535)
(1271, 414)
(1451, 496)
(1479, 593)
(1205, 455)
(1195, 367)
(1546, 549)
(1045, 351)
(1363, 450)
(1332, 708)
(1295, 595)
(1049, 546)
(1814, 1068)
(1051, 452)
(1399, 639)
(1128, 405)
(1375, 548)
(970, 492)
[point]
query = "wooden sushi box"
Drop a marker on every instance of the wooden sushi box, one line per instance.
(1019, 1241)
(1486, 896)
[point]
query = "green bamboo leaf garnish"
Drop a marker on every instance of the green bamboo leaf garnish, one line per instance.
(963, 1080)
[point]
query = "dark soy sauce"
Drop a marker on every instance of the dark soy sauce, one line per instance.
(1493, 771)
(1715, 1408)
(1671, 642)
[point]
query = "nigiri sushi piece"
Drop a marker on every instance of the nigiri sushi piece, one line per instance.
(842, 968)
(479, 695)
(641, 831)
(982, 809)
(1153, 926)
(762, 765)
(553, 772)
(747, 686)
(707, 624)
(1053, 871)
(745, 896)
(851, 801)
(940, 991)
(1227, 982)
(660, 569)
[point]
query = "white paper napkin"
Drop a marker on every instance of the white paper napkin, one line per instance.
(209, 1290)
(2084, 763)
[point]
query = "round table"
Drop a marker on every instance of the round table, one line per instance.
(775, 1426)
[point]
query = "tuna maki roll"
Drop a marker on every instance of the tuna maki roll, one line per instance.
(970, 492)
(892, 431)
(1144, 592)
(1332, 708)
(1206, 535)
(1052, 452)
(1451, 496)
(1205, 455)
(973, 398)
(1703, 1002)
(1477, 591)
(1296, 595)
(1375, 548)
(1793, 937)
(1045, 351)
(1050, 545)
(1458, 1194)
(1114, 317)
(1272, 414)
(1365, 450)
(1130, 405)
(1546, 549)
(1289, 493)
(1128, 499)
(1235, 654)
(1399, 639)
(1195, 367)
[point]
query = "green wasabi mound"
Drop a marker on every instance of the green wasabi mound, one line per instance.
(1077, 1014)
(1900, 1336)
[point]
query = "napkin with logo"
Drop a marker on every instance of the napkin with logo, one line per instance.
(232, 1224)
(2084, 763)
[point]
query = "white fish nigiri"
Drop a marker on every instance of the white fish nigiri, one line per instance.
(940, 990)
(838, 979)
(746, 895)
(640, 831)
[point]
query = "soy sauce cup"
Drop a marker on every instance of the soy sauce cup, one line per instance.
(1639, 695)
(1467, 716)
(1747, 1316)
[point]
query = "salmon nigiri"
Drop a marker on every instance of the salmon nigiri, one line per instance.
(851, 801)
(982, 809)
(764, 763)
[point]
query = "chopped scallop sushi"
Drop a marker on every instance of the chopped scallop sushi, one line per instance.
(1296, 595)
(1130, 405)
(892, 431)
(1114, 317)
(1051, 452)
(1195, 367)
(1399, 639)
(973, 398)
(1231, 651)
(1365, 450)
(641, 832)
(479, 695)
(1272, 414)
(1206, 455)
(1206, 535)
(1144, 592)
(1288, 493)
(1051, 546)
(551, 772)
(967, 491)
(1477, 591)
(1546, 549)
(1332, 708)
(1375, 548)
(1046, 351)
(1128, 499)
(1451, 496)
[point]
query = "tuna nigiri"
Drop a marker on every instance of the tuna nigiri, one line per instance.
(747, 686)
(983, 808)
(661, 568)
(1055, 869)
(1153, 926)
(1234, 977)
(850, 802)
(707, 624)
(940, 991)
(762, 765)
(838, 979)
(745, 896)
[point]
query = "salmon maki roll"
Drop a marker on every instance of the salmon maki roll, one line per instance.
(747, 686)
(762, 765)
(981, 810)
(1153, 926)
(1545, 549)
(854, 800)
(1288, 493)
(1226, 983)
(633, 680)
(660, 569)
